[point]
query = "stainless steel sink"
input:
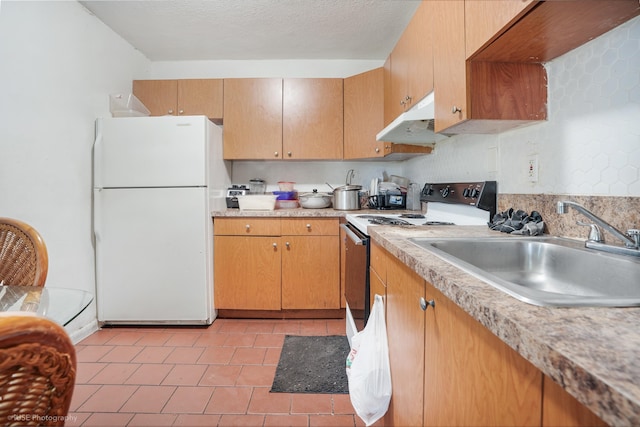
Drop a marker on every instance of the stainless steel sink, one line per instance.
(547, 271)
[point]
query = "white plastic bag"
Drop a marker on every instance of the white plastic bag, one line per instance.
(368, 369)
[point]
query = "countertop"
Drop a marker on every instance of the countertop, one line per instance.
(593, 353)
(280, 213)
(302, 212)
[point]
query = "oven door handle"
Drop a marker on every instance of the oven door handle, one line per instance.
(353, 235)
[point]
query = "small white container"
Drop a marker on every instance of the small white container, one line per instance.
(257, 202)
(127, 106)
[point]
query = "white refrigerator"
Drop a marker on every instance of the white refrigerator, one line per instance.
(155, 182)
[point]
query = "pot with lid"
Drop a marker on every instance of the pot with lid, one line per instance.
(347, 197)
(315, 200)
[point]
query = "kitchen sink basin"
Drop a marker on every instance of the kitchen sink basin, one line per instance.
(546, 271)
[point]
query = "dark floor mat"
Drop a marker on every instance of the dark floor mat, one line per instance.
(315, 364)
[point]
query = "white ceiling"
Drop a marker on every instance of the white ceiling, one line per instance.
(177, 30)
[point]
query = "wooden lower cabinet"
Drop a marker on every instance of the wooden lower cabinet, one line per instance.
(405, 334)
(247, 272)
(276, 264)
(446, 368)
(376, 287)
(471, 377)
(310, 272)
(562, 409)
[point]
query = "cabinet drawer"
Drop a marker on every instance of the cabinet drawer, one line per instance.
(310, 227)
(246, 226)
(378, 261)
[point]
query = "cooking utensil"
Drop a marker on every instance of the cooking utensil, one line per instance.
(315, 200)
(347, 198)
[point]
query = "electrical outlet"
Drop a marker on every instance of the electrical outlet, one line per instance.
(532, 168)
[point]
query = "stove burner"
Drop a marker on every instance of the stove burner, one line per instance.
(384, 220)
(410, 215)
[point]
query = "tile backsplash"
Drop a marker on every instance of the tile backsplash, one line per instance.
(621, 212)
(589, 146)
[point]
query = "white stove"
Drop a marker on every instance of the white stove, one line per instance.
(458, 203)
(437, 214)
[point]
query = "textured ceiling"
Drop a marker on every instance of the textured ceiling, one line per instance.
(173, 30)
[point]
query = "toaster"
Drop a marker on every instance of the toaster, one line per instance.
(232, 195)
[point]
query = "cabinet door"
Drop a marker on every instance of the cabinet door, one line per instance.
(247, 272)
(363, 114)
(562, 409)
(420, 67)
(399, 59)
(311, 272)
(410, 62)
(405, 331)
(376, 286)
(485, 20)
(252, 119)
(471, 377)
(312, 126)
(200, 97)
(449, 69)
(159, 96)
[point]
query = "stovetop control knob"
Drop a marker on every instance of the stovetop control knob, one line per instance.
(466, 192)
(445, 192)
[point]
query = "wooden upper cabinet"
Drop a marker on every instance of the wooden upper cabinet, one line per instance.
(159, 96)
(420, 71)
(553, 28)
(201, 96)
(363, 119)
(188, 97)
(363, 114)
(312, 123)
(449, 69)
(253, 118)
(411, 65)
(475, 96)
(485, 20)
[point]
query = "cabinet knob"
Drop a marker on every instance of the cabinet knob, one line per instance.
(377, 150)
(455, 109)
(275, 245)
(424, 304)
(275, 154)
(287, 245)
(180, 111)
(308, 226)
(289, 153)
(247, 227)
(170, 111)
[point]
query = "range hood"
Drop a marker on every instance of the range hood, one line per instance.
(414, 126)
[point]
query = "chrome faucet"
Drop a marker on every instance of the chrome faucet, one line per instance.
(595, 241)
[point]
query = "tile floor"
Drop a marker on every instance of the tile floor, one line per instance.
(195, 376)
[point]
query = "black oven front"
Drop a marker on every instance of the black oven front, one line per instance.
(356, 269)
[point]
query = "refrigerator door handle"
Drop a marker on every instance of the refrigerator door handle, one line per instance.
(97, 209)
(97, 156)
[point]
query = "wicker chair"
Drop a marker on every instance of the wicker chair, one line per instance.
(23, 254)
(37, 371)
